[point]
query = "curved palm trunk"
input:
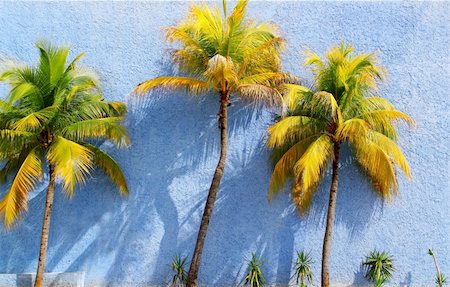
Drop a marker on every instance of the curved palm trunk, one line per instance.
(212, 195)
(45, 228)
(330, 219)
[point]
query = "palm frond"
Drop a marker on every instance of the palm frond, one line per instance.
(15, 200)
(290, 129)
(313, 162)
(283, 169)
(110, 167)
(109, 128)
(35, 120)
(191, 85)
(72, 162)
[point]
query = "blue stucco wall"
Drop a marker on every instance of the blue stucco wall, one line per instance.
(175, 148)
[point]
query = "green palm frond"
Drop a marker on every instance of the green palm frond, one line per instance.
(49, 112)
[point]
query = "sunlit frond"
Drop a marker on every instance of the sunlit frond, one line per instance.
(353, 130)
(342, 107)
(313, 162)
(191, 85)
(36, 120)
(379, 167)
(15, 200)
(53, 62)
(290, 129)
(72, 162)
(392, 150)
(283, 169)
(294, 95)
(109, 128)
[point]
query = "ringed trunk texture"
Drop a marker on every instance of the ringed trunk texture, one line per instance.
(45, 228)
(212, 195)
(330, 219)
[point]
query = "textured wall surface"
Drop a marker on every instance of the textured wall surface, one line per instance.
(175, 148)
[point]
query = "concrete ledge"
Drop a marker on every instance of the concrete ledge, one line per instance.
(74, 279)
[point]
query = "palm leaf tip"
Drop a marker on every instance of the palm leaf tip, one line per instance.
(111, 168)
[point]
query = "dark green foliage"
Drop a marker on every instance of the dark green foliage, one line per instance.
(379, 267)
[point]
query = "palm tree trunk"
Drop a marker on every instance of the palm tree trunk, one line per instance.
(330, 219)
(45, 228)
(212, 195)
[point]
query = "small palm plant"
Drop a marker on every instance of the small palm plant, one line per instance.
(440, 278)
(48, 120)
(254, 277)
(379, 267)
(303, 270)
(178, 266)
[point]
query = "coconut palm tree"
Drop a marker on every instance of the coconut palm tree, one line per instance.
(49, 115)
(342, 108)
(224, 55)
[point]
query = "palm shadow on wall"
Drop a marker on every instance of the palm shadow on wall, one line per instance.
(174, 151)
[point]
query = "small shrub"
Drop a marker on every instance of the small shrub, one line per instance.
(440, 278)
(303, 270)
(254, 277)
(178, 266)
(379, 267)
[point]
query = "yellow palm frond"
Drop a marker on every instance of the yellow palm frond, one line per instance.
(380, 116)
(301, 198)
(270, 78)
(111, 168)
(72, 162)
(15, 200)
(209, 22)
(173, 83)
(109, 128)
(283, 169)
(294, 95)
(291, 128)
(314, 60)
(392, 150)
(379, 167)
(313, 162)
(354, 130)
